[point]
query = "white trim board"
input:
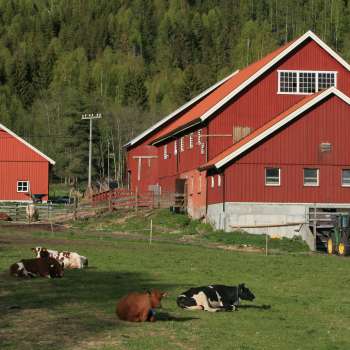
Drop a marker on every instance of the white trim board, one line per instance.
(179, 110)
(281, 123)
(51, 161)
(284, 53)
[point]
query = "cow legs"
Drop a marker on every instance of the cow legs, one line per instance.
(202, 302)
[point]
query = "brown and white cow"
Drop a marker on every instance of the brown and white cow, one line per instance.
(43, 267)
(70, 260)
(139, 307)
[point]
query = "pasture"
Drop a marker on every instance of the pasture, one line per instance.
(308, 294)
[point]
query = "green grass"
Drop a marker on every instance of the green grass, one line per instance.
(308, 293)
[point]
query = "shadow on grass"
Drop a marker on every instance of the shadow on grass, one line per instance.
(259, 307)
(164, 316)
(80, 305)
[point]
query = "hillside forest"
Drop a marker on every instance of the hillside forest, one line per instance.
(133, 61)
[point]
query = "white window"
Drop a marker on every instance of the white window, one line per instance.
(175, 147)
(202, 148)
(22, 186)
(272, 176)
(219, 180)
(199, 135)
(305, 82)
(182, 144)
(212, 181)
(345, 177)
(191, 140)
(165, 155)
(311, 177)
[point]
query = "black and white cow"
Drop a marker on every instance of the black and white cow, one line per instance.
(214, 298)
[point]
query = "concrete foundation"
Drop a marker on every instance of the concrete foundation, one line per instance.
(276, 220)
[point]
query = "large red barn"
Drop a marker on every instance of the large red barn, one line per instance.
(262, 146)
(24, 169)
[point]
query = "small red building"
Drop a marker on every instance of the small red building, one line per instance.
(264, 145)
(24, 170)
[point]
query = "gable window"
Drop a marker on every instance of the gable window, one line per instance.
(22, 186)
(182, 144)
(305, 82)
(191, 140)
(345, 177)
(165, 154)
(175, 147)
(311, 177)
(272, 176)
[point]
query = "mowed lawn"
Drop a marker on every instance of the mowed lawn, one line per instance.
(308, 295)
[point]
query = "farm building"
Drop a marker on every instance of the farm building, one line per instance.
(259, 148)
(24, 170)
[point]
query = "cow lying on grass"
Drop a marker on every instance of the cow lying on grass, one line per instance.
(70, 260)
(214, 298)
(139, 307)
(43, 267)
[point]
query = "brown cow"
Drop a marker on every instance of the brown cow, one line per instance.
(138, 307)
(44, 267)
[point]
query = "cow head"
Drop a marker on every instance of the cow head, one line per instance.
(156, 297)
(37, 251)
(55, 268)
(244, 293)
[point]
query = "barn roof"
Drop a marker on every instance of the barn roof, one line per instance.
(178, 111)
(273, 125)
(3, 127)
(209, 105)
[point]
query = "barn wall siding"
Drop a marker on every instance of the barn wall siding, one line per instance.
(260, 103)
(292, 149)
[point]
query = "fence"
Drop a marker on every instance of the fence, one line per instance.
(124, 198)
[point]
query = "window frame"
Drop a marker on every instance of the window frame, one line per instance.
(219, 180)
(175, 147)
(182, 143)
(279, 177)
(212, 185)
(23, 181)
(342, 178)
(317, 72)
(165, 152)
(191, 140)
(317, 178)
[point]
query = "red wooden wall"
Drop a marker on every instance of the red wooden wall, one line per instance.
(292, 149)
(19, 162)
(260, 103)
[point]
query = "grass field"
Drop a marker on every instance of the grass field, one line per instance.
(308, 294)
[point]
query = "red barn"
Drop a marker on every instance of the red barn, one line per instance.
(264, 145)
(23, 168)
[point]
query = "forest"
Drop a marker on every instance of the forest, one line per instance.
(133, 61)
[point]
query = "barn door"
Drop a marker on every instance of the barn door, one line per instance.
(180, 194)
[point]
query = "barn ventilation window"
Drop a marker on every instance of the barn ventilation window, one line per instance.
(175, 147)
(199, 134)
(345, 177)
(191, 140)
(182, 144)
(272, 176)
(166, 155)
(311, 177)
(22, 186)
(305, 82)
(219, 180)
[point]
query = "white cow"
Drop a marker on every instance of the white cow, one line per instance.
(70, 260)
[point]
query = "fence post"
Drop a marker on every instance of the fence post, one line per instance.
(267, 238)
(16, 212)
(75, 208)
(136, 198)
(109, 200)
(314, 228)
(151, 233)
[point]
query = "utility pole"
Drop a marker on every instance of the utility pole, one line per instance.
(90, 116)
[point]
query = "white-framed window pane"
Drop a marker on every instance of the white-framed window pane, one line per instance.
(219, 180)
(199, 135)
(326, 80)
(182, 144)
(307, 82)
(165, 154)
(345, 177)
(212, 181)
(191, 140)
(288, 82)
(311, 177)
(22, 186)
(272, 176)
(175, 147)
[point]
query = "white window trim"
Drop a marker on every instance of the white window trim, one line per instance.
(28, 186)
(199, 135)
(279, 177)
(312, 184)
(219, 180)
(165, 155)
(298, 83)
(191, 140)
(212, 182)
(182, 144)
(341, 178)
(175, 147)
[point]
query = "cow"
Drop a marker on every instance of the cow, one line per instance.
(214, 298)
(43, 267)
(139, 307)
(70, 260)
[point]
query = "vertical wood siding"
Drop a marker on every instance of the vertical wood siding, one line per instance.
(293, 148)
(260, 103)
